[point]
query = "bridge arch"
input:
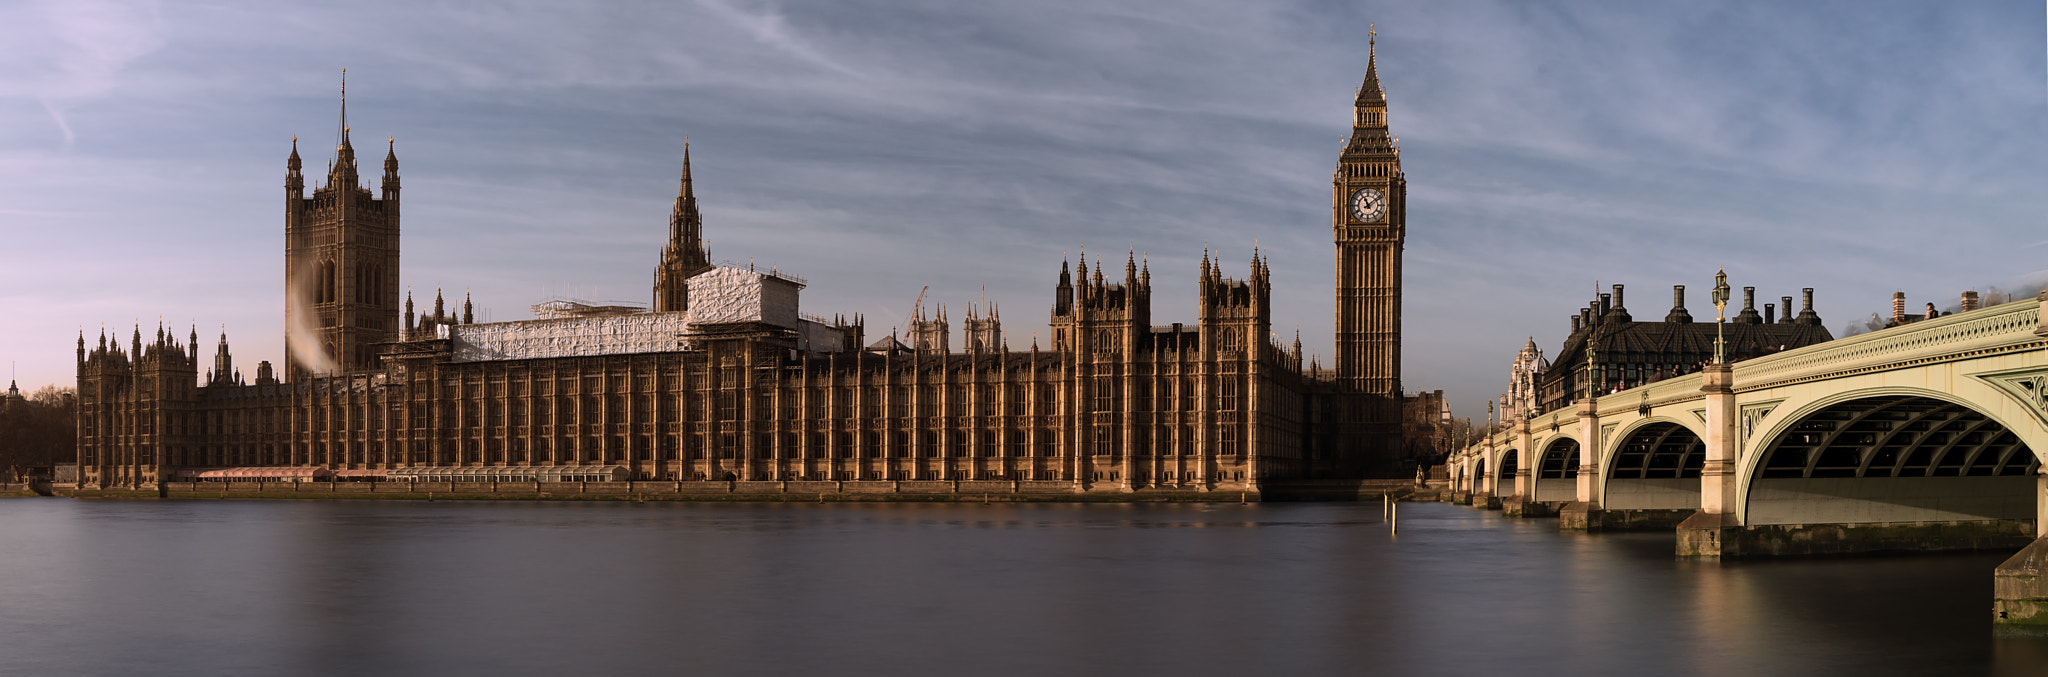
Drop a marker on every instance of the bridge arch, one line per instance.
(1504, 472)
(1892, 454)
(1653, 464)
(1557, 470)
(1479, 477)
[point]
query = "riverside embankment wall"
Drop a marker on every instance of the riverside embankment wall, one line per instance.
(939, 490)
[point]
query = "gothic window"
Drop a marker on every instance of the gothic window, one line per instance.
(1227, 394)
(988, 401)
(1104, 341)
(1104, 445)
(1105, 395)
(1226, 441)
(989, 444)
(959, 444)
(1019, 444)
(1229, 340)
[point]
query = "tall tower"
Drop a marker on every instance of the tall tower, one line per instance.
(684, 256)
(1369, 217)
(340, 263)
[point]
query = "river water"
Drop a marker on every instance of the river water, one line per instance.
(450, 588)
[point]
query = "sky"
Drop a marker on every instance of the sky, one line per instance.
(879, 148)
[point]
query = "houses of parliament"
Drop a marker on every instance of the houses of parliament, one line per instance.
(723, 377)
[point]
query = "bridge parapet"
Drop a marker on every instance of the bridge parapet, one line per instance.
(2001, 328)
(1674, 389)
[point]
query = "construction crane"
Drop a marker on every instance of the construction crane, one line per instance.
(914, 308)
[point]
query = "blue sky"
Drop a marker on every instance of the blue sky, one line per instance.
(878, 147)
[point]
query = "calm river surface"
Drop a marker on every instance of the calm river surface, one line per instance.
(348, 587)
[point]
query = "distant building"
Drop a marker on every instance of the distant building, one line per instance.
(1628, 353)
(723, 377)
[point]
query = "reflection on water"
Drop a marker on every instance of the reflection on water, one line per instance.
(233, 587)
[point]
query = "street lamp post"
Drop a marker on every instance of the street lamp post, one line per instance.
(1720, 316)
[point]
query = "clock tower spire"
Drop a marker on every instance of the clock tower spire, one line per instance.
(1369, 214)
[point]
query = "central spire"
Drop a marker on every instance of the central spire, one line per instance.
(684, 256)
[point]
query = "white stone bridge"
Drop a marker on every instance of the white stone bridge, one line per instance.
(1924, 436)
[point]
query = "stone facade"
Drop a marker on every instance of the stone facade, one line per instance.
(723, 379)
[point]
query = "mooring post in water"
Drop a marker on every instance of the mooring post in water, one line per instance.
(1394, 518)
(1386, 505)
(1240, 499)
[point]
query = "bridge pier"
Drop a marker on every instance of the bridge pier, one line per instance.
(1583, 513)
(2019, 586)
(1706, 533)
(1521, 506)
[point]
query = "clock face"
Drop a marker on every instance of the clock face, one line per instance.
(1368, 205)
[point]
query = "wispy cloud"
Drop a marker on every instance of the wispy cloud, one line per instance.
(879, 147)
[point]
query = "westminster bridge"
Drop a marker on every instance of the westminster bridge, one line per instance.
(1925, 436)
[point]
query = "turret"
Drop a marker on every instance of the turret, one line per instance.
(1063, 295)
(223, 363)
(407, 327)
(468, 314)
(294, 181)
(391, 173)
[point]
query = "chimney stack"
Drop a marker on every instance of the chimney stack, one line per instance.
(1785, 302)
(1678, 313)
(1806, 314)
(1770, 313)
(1748, 314)
(1898, 307)
(1575, 324)
(1969, 301)
(1606, 305)
(1620, 310)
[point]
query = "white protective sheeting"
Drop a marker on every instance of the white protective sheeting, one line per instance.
(726, 294)
(575, 337)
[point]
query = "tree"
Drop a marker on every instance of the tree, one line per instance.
(39, 432)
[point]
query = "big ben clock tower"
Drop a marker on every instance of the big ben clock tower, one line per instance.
(1369, 213)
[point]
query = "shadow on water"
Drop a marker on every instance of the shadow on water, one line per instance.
(193, 587)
